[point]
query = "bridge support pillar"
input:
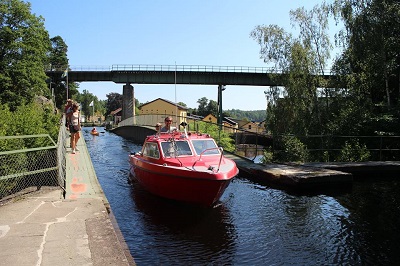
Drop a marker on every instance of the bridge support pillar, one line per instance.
(128, 102)
(221, 88)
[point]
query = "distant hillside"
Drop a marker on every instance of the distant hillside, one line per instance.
(255, 116)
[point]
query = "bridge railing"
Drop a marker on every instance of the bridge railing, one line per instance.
(193, 68)
(78, 68)
(188, 68)
(172, 68)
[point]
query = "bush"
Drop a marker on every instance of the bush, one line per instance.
(268, 156)
(292, 150)
(29, 119)
(225, 141)
(353, 151)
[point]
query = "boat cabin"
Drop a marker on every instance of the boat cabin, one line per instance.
(169, 147)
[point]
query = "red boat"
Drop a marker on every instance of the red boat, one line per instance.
(187, 167)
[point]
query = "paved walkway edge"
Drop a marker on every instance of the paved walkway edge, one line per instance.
(80, 175)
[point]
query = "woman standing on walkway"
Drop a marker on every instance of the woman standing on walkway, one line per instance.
(75, 127)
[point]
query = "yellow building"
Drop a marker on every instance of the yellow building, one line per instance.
(228, 125)
(210, 118)
(253, 127)
(158, 109)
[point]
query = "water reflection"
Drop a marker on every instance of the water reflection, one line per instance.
(254, 224)
(202, 234)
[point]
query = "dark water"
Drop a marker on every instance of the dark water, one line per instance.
(253, 224)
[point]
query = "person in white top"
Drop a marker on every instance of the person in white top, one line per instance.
(75, 127)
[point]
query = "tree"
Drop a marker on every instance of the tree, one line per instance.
(85, 98)
(137, 104)
(212, 108)
(58, 61)
(301, 59)
(114, 101)
(24, 44)
(58, 54)
(371, 57)
(182, 104)
(202, 109)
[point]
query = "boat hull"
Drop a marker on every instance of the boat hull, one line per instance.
(202, 187)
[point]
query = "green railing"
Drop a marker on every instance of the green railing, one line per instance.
(30, 162)
(251, 144)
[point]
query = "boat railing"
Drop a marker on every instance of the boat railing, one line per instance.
(220, 158)
(220, 149)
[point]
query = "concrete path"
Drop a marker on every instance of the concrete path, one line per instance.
(43, 228)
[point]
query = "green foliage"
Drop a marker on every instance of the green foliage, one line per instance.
(255, 116)
(23, 51)
(114, 101)
(369, 64)
(363, 97)
(291, 149)
(301, 59)
(268, 156)
(58, 54)
(222, 138)
(353, 151)
(58, 61)
(202, 110)
(30, 119)
(85, 98)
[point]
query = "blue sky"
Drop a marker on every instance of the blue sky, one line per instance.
(102, 33)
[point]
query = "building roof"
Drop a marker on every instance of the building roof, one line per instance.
(226, 120)
(116, 111)
(194, 117)
(174, 104)
(229, 121)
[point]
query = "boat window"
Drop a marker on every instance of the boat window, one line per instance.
(176, 148)
(151, 150)
(201, 145)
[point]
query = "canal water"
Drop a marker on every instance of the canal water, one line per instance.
(253, 224)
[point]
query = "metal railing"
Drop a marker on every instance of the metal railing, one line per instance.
(30, 162)
(252, 144)
(144, 67)
(181, 68)
(194, 68)
(240, 137)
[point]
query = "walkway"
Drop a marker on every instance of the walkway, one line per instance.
(45, 229)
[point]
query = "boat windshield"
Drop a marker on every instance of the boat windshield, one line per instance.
(151, 150)
(176, 148)
(207, 146)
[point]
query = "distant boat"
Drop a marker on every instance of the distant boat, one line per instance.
(94, 132)
(187, 167)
